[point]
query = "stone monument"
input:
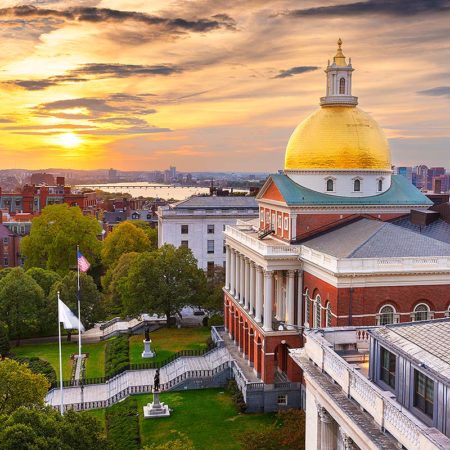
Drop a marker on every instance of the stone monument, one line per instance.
(147, 353)
(156, 408)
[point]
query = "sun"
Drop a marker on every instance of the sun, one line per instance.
(69, 140)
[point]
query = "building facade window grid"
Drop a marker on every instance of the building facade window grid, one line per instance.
(184, 229)
(421, 312)
(210, 246)
(210, 228)
(386, 315)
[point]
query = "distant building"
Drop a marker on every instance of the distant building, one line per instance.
(375, 388)
(432, 173)
(112, 176)
(42, 178)
(405, 172)
(199, 223)
(9, 248)
(421, 176)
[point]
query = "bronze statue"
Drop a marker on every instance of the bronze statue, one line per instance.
(156, 381)
(147, 333)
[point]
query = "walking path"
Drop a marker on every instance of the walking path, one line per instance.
(138, 381)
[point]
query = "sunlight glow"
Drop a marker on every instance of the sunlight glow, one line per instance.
(69, 140)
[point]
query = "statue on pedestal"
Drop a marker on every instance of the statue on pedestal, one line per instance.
(156, 381)
(156, 408)
(147, 333)
(147, 353)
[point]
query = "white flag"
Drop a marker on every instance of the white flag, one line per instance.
(68, 318)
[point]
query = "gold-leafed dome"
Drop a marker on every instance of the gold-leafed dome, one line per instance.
(343, 137)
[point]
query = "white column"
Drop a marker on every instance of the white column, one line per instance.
(252, 287)
(268, 294)
(241, 283)
(227, 267)
(290, 298)
(300, 298)
(238, 278)
(327, 438)
(345, 442)
(233, 272)
(279, 296)
(247, 284)
(259, 289)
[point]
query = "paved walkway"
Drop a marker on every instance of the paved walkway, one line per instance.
(238, 357)
(132, 381)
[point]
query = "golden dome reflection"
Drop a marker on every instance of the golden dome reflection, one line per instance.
(340, 137)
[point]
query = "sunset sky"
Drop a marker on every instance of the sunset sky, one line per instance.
(211, 84)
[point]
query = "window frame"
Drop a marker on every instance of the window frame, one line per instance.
(423, 403)
(184, 229)
(184, 243)
(381, 315)
(330, 180)
(388, 367)
(210, 247)
(210, 228)
(342, 86)
(416, 312)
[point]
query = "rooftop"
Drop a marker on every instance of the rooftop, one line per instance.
(427, 342)
(217, 202)
(438, 229)
(401, 192)
(367, 238)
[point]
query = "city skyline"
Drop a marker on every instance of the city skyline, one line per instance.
(199, 85)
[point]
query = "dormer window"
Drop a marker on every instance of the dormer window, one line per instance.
(330, 185)
(380, 185)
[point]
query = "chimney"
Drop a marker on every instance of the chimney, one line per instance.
(60, 181)
(437, 185)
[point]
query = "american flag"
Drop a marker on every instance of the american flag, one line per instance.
(83, 263)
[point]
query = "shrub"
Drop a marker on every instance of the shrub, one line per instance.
(236, 395)
(122, 425)
(117, 356)
(4, 340)
(216, 320)
(38, 365)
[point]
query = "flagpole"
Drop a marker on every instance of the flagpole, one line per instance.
(60, 362)
(79, 305)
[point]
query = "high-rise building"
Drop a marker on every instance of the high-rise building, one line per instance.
(406, 172)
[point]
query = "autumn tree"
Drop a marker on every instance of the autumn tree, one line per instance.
(163, 282)
(124, 238)
(55, 235)
(19, 386)
(21, 299)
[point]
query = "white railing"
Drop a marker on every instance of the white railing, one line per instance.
(385, 411)
(260, 246)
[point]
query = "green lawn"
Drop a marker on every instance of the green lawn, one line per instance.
(95, 364)
(208, 417)
(167, 341)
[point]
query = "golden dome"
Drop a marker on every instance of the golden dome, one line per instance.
(340, 137)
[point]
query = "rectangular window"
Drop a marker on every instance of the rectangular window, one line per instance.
(261, 215)
(210, 229)
(210, 247)
(210, 268)
(224, 247)
(184, 229)
(5, 240)
(282, 399)
(184, 244)
(286, 223)
(279, 221)
(423, 393)
(5, 262)
(388, 362)
(224, 227)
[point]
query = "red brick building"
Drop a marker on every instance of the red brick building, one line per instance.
(335, 242)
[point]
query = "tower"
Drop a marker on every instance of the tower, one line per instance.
(339, 81)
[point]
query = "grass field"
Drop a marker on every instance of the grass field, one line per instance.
(208, 417)
(167, 341)
(95, 364)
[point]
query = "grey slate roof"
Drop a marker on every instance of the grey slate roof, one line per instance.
(428, 342)
(367, 238)
(5, 231)
(217, 202)
(438, 229)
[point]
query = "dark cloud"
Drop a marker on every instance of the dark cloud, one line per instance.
(134, 121)
(101, 15)
(440, 91)
(295, 71)
(387, 7)
(95, 71)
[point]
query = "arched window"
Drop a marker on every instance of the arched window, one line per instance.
(357, 185)
(307, 308)
(421, 312)
(342, 86)
(318, 313)
(380, 185)
(330, 186)
(328, 315)
(386, 315)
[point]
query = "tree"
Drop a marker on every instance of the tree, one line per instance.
(112, 281)
(20, 301)
(124, 238)
(4, 341)
(90, 297)
(162, 282)
(45, 428)
(19, 386)
(152, 233)
(44, 278)
(212, 300)
(4, 272)
(55, 235)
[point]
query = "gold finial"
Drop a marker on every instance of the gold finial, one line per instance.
(339, 59)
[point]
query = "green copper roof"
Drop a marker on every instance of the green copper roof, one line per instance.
(401, 192)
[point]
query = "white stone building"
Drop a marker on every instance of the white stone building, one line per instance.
(382, 387)
(199, 223)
